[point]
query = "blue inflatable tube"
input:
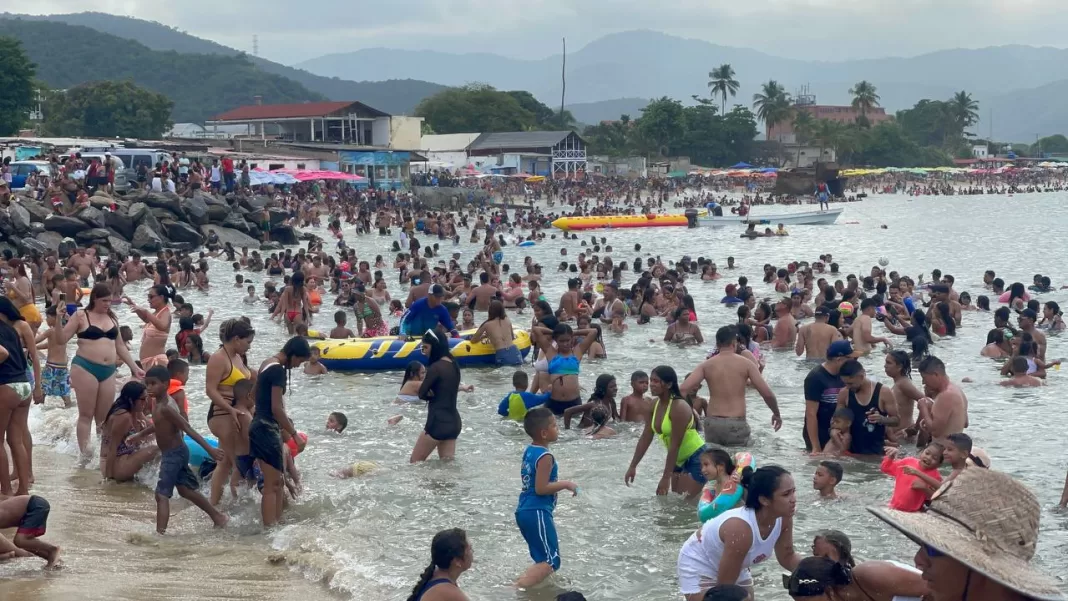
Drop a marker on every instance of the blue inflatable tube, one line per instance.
(526, 243)
(197, 454)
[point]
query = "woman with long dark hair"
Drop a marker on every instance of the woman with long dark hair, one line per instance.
(724, 548)
(898, 367)
(604, 395)
(16, 393)
(92, 370)
(439, 388)
(673, 421)
(450, 556)
(265, 431)
(157, 328)
(122, 453)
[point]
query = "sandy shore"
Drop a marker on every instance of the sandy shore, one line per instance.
(110, 550)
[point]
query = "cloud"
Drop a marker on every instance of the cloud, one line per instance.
(811, 29)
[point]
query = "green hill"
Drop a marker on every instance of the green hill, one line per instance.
(201, 85)
(396, 96)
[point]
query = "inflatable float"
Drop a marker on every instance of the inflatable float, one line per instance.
(197, 454)
(391, 353)
(526, 243)
(618, 221)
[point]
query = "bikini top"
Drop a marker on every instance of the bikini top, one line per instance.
(235, 375)
(92, 332)
(561, 365)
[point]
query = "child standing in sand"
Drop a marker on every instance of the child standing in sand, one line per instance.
(28, 513)
(174, 469)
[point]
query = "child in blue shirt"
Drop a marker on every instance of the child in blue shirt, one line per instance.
(534, 515)
(517, 403)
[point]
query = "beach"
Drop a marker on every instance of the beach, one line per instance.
(367, 538)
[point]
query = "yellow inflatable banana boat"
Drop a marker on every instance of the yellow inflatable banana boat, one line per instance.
(387, 353)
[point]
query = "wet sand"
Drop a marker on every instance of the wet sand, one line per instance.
(111, 551)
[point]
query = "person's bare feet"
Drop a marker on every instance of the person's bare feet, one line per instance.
(222, 520)
(8, 555)
(53, 560)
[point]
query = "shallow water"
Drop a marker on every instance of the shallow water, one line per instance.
(368, 538)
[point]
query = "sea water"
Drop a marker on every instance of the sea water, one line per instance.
(369, 537)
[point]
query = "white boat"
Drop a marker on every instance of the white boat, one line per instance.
(773, 219)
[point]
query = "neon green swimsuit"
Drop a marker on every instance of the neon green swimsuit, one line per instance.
(691, 442)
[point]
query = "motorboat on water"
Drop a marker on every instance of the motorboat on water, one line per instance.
(772, 219)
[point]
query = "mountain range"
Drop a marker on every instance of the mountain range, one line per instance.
(1017, 87)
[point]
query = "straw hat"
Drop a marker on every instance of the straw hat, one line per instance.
(987, 521)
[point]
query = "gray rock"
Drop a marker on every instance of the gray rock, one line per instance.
(122, 224)
(186, 246)
(165, 200)
(93, 233)
(50, 239)
(66, 247)
(33, 245)
(137, 212)
(145, 238)
(285, 234)
(179, 231)
(211, 199)
(196, 210)
(165, 215)
(36, 228)
(8, 246)
(38, 212)
(119, 246)
(256, 203)
(20, 218)
(91, 215)
(236, 238)
(278, 216)
(218, 213)
(237, 222)
(67, 226)
(102, 201)
(269, 246)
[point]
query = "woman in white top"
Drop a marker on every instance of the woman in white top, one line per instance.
(823, 579)
(724, 548)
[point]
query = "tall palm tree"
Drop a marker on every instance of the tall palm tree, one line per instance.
(964, 110)
(772, 104)
(828, 134)
(803, 123)
(864, 98)
(721, 81)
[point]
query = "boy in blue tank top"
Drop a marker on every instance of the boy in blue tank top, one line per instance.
(534, 515)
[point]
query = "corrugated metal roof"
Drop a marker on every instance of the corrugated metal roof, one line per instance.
(447, 142)
(519, 139)
(254, 112)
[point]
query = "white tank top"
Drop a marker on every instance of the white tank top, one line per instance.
(708, 552)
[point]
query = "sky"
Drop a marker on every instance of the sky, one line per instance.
(809, 29)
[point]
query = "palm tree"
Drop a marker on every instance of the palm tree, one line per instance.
(864, 98)
(772, 104)
(828, 134)
(964, 110)
(721, 81)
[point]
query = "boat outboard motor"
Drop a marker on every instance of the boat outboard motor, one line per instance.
(691, 217)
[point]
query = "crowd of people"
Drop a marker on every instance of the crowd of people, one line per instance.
(973, 544)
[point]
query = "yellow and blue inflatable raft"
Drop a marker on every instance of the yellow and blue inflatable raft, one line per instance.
(387, 353)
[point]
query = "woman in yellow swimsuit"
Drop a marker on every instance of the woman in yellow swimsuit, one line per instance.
(20, 291)
(676, 427)
(225, 369)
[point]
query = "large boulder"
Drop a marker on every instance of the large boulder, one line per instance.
(270, 245)
(237, 222)
(278, 216)
(28, 246)
(119, 246)
(286, 234)
(37, 211)
(67, 226)
(257, 203)
(92, 234)
(146, 239)
(165, 215)
(122, 224)
(165, 200)
(236, 238)
(50, 239)
(137, 212)
(183, 246)
(196, 210)
(179, 231)
(218, 213)
(91, 215)
(20, 218)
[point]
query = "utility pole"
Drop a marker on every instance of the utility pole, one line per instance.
(255, 45)
(563, 80)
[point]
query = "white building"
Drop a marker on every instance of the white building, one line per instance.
(980, 151)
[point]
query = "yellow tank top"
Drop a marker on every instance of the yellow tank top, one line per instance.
(691, 442)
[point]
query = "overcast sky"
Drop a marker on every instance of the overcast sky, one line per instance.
(290, 32)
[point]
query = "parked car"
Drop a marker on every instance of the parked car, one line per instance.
(20, 170)
(132, 158)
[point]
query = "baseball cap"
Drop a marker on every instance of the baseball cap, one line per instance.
(839, 348)
(1029, 314)
(437, 290)
(822, 311)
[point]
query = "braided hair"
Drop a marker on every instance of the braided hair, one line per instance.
(447, 546)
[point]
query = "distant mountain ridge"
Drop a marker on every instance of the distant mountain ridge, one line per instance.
(395, 96)
(648, 64)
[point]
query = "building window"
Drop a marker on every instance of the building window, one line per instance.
(273, 166)
(300, 166)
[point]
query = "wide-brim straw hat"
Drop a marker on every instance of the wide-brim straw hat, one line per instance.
(987, 521)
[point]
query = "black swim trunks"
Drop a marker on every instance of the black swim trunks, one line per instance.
(558, 407)
(265, 442)
(174, 471)
(35, 519)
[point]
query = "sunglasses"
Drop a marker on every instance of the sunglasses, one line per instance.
(932, 552)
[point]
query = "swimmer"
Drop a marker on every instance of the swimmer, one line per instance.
(841, 424)
(828, 475)
(718, 467)
(635, 407)
(910, 490)
(600, 429)
(413, 378)
(336, 422)
(314, 367)
(1020, 377)
(354, 470)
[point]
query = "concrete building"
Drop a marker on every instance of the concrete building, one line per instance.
(784, 132)
(632, 167)
(980, 151)
(446, 151)
(342, 122)
(805, 155)
(556, 154)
